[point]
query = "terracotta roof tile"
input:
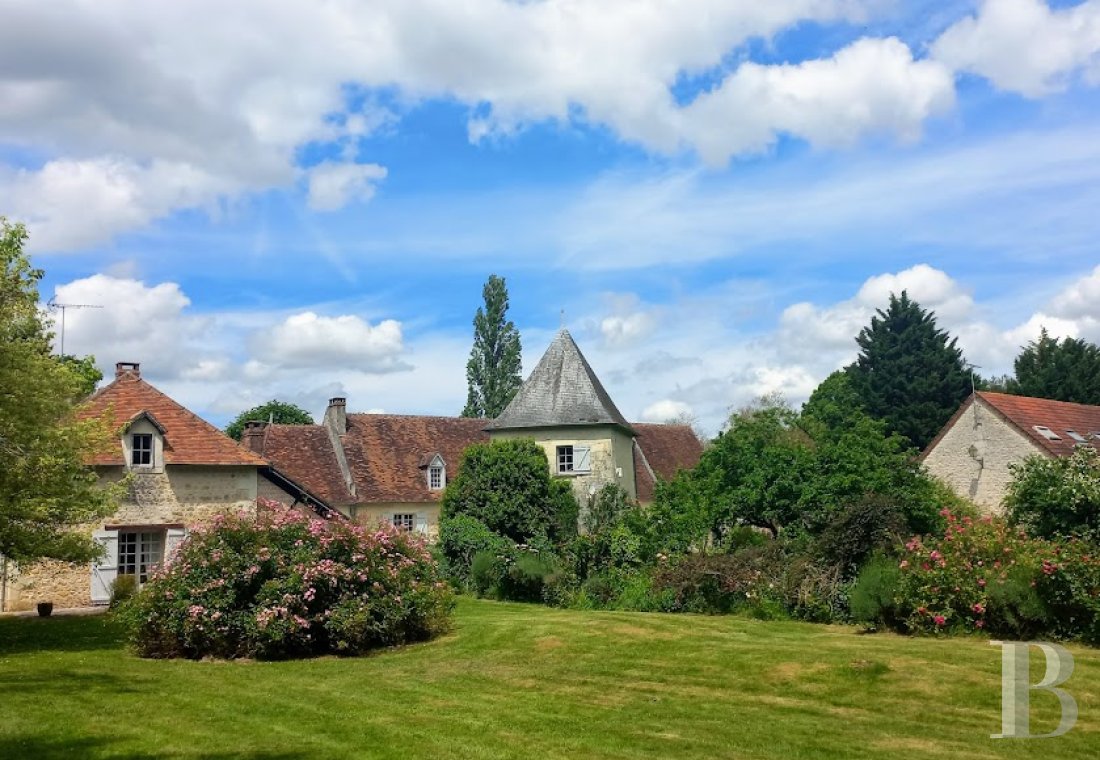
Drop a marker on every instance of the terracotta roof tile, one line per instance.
(1060, 417)
(304, 454)
(188, 439)
(385, 451)
(386, 454)
(667, 449)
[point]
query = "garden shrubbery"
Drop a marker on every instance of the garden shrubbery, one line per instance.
(280, 584)
(985, 575)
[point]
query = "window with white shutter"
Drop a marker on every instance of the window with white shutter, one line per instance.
(582, 459)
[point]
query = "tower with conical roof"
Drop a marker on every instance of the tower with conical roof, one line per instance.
(566, 410)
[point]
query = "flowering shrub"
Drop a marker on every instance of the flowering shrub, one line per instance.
(986, 575)
(280, 584)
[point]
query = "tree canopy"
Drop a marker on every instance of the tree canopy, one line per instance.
(280, 412)
(1057, 496)
(909, 372)
(85, 369)
(506, 485)
(46, 492)
(493, 371)
(1062, 370)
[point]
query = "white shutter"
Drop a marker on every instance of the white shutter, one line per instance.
(422, 523)
(104, 568)
(172, 540)
(582, 459)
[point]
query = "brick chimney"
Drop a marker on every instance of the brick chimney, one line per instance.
(127, 369)
(253, 436)
(336, 416)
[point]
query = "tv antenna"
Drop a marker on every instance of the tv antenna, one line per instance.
(53, 305)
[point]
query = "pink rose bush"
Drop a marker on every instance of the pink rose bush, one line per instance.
(280, 584)
(984, 574)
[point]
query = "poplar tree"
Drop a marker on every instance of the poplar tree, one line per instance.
(909, 372)
(46, 492)
(493, 371)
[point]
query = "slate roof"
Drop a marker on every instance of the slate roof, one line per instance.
(188, 439)
(562, 390)
(666, 449)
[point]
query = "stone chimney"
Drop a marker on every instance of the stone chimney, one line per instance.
(127, 369)
(253, 435)
(336, 416)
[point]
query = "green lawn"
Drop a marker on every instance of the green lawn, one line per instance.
(527, 681)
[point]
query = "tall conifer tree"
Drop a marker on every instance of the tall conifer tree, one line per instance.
(1063, 370)
(493, 371)
(909, 372)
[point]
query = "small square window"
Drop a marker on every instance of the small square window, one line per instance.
(141, 449)
(404, 522)
(565, 459)
(435, 478)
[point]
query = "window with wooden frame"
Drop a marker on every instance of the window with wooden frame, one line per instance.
(139, 553)
(574, 459)
(141, 449)
(404, 521)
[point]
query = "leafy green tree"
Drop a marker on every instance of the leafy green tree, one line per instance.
(1063, 370)
(493, 371)
(909, 372)
(507, 486)
(1059, 496)
(46, 492)
(85, 369)
(279, 412)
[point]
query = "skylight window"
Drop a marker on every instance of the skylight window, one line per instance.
(1047, 433)
(1076, 436)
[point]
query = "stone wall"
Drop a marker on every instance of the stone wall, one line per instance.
(974, 454)
(612, 455)
(186, 495)
(382, 514)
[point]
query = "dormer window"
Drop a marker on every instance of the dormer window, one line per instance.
(435, 471)
(141, 449)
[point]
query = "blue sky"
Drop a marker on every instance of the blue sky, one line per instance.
(302, 201)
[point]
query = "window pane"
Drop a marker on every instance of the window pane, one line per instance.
(565, 458)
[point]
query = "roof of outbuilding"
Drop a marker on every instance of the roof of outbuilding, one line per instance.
(1061, 417)
(188, 439)
(1026, 413)
(304, 454)
(664, 451)
(562, 390)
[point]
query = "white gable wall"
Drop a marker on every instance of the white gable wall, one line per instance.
(974, 454)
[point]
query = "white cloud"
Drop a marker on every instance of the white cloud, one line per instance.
(873, 85)
(628, 322)
(134, 322)
(332, 186)
(186, 112)
(320, 343)
(665, 410)
(1024, 45)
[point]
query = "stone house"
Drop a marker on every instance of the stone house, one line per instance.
(393, 468)
(991, 431)
(181, 471)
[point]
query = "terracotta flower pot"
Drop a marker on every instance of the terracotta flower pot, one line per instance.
(45, 609)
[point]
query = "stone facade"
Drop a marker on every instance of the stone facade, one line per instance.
(425, 515)
(612, 455)
(973, 455)
(176, 495)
